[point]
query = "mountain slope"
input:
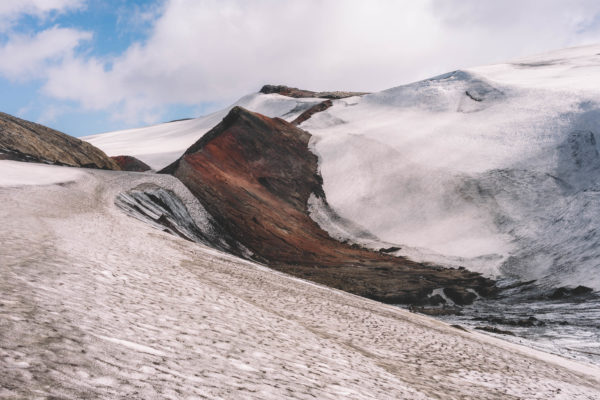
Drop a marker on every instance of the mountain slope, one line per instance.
(494, 168)
(26, 141)
(99, 305)
(255, 175)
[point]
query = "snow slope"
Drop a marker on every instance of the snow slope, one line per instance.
(495, 168)
(160, 145)
(15, 173)
(95, 304)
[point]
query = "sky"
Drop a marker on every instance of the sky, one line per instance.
(91, 66)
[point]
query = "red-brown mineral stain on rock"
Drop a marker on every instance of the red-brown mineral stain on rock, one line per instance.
(130, 163)
(255, 175)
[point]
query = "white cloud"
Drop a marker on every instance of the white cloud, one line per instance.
(29, 56)
(10, 10)
(485, 31)
(217, 50)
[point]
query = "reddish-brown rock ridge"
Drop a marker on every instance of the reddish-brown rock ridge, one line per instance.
(317, 108)
(27, 141)
(255, 174)
(298, 93)
(130, 163)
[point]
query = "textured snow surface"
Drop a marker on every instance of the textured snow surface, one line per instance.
(495, 168)
(160, 145)
(15, 173)
(95, 304)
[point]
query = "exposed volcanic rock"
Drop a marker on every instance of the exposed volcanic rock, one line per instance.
(495, 330)
(564, 292)
(311, 111)
(295, 92)
(255, 174)
(27, 141)
(130, 163)
(164, 210)
(460, 297)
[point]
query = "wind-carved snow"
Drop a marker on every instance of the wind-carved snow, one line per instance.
(95, 304)
(493, 168)
(160, 145)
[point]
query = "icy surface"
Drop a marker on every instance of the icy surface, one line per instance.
(160, 145)
(15, 173)
(495, 168)
(95, 304)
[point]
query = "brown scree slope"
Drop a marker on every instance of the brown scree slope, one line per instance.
(254, 174)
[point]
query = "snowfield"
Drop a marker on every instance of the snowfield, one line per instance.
(16, 174)
(95, 304)
(495, 168)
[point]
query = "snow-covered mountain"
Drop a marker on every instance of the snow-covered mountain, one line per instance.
(160, 145)
(494, 168)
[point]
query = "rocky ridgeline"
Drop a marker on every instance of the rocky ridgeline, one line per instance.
(27, 141)
(298, 93)
(254, 175)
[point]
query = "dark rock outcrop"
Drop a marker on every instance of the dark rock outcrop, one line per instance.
(564, 292)
(460, 296)
(164, 210)
(436, 311)
(495, 330)
(254, 175)
(312, 111)
(523, 322)
(130, 163)
(297, 93)
(27, 141)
